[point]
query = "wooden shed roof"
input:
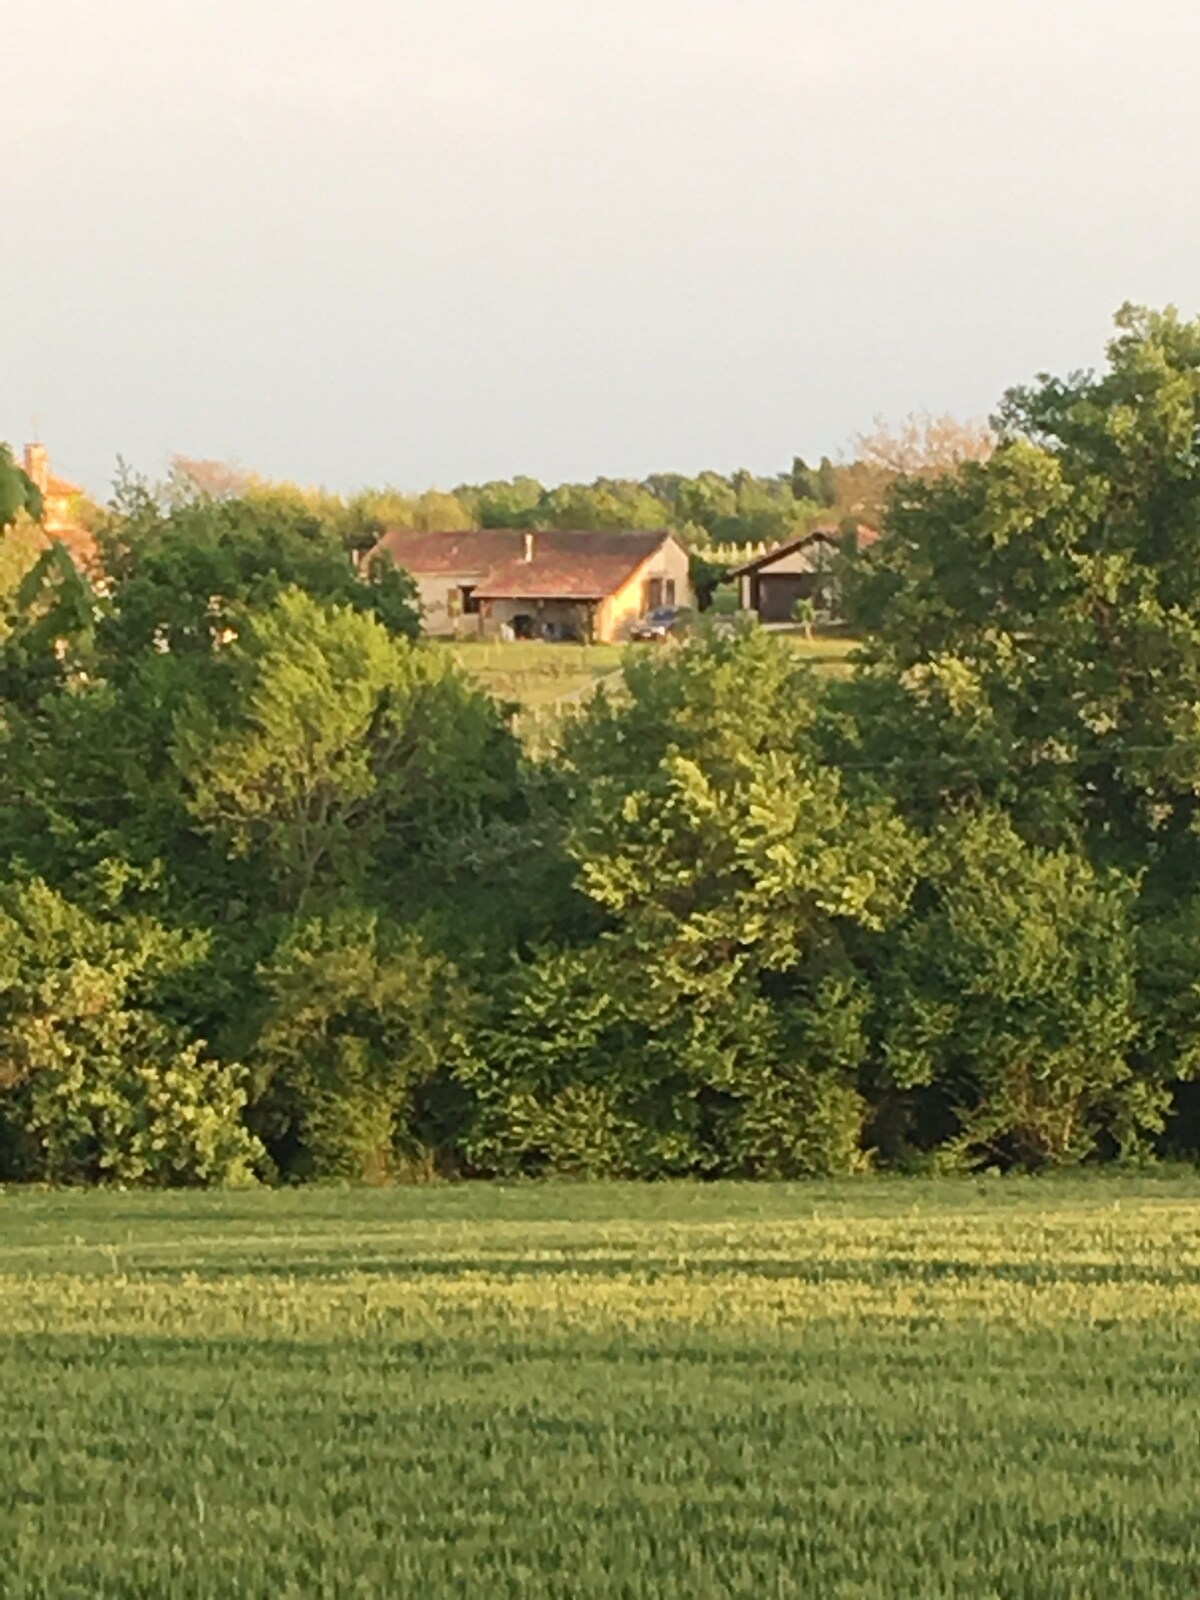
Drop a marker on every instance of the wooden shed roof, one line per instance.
(829, 535)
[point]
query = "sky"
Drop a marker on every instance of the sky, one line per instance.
(420, 242)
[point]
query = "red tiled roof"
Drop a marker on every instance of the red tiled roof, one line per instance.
(464, 552)
(80, 543)
(60, 487)
(566, 564)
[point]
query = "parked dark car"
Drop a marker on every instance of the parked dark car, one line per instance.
(658, 624)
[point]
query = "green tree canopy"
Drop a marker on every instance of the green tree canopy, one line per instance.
(96, 1084)
(1056, 587)
(1011, 998)
(18, 492)
(341, 748)
(716, 1017)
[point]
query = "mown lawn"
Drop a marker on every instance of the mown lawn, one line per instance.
(887, 1388)
(544, 678)
(536, 675)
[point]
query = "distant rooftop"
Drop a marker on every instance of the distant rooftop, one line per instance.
(534, 564)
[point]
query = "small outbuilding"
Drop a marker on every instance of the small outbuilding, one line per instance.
(806, 568)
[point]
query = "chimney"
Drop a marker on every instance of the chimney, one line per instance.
(37, 466)
(529, 547)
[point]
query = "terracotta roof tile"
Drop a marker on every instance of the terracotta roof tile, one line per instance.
(566, 564)
(80, 543)
(465, 552)
(60, 487)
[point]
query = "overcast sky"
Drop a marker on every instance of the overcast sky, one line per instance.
(422, 241)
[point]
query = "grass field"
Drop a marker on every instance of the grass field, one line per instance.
(885, 1388)
(536, 675)
(543, 678)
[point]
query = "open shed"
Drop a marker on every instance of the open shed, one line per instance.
(802, 569)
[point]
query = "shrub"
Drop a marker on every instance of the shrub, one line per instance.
(1011, 991)
(360, 1018)
(94, 1085)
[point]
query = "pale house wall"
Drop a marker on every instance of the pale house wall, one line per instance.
(617, 614)
(438, 594)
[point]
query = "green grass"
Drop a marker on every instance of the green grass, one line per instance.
(829, 654)
(543, 680)
(536, 675)
(884, 1388)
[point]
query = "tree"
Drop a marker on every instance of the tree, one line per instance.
(509, 504)
(92, 682)
(181, 578)
(607, 503)
(708, 501)
(804, 612)
(48, 633)
(827, 483)
(1057, 584)
(714, 1021)
(213, 480)
(739, 919)
(96, 1085)
(923, 445)
(20, 551)
(434, 511)
(371, 513)
(804, 485)
(1011, 995)
(920, 446)
(341, 747)
(18, 492)
(359, 1020)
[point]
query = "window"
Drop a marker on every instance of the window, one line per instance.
(654, 594)
(668, 591)
(469, 603)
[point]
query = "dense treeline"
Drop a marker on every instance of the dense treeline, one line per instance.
(283, 896)
(739, 508)
(711, 508)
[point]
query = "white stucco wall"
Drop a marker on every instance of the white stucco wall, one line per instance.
(434, 594)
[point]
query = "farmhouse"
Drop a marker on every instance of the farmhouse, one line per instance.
(802, 569)
(543, 584)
